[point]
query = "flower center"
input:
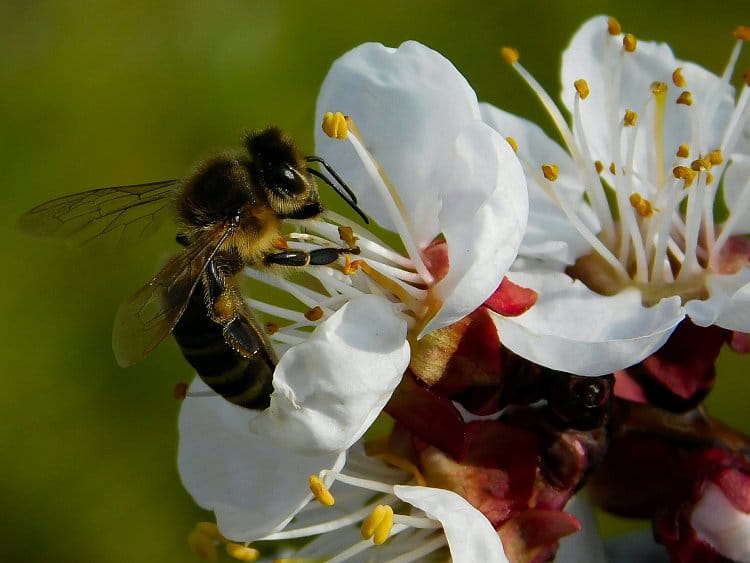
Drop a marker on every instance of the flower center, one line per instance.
(658, 207)
(405, 280)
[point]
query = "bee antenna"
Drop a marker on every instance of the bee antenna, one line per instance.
(333, 173)
(341, 189)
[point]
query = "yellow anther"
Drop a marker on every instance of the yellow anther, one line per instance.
(709, 177)
(203, 546)
(509, 54)
(629, 42)
(335, 125)
(314, 314)
(677, 78)
(551, 171)
(684, 173)
(371, 522)
(320, 491)
(685, 98)
(242, 552)
(630, 118)
(742, 33)
(613, 26)
(613, 168)
(271, 328)
(658, 88)
(599, 165)
(512, 143)
(582, 87)
(211, 530)
(378, 524)
(683, 151)
(700, 164)
(643, 207)
(715, 157)
(346, 234)
(383, 530)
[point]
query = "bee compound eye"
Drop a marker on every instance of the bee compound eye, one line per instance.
(284, 180)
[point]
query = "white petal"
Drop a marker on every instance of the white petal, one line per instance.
(573, 329)
(483, 220)
(549, 234)
(329, 389)
(728, 304)
(409, 105)
(470, 535)
(254, 486)
(720, 524)
(736, 182)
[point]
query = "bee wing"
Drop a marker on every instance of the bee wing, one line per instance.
(149, 316)
(133, 211)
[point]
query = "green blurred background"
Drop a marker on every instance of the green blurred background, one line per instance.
(103, 93)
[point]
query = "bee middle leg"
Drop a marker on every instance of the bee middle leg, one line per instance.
(302, 258)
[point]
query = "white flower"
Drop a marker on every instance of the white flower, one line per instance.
(261, 491)
(424, 164)
(625, 234)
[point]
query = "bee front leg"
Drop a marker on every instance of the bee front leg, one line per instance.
(302, 258)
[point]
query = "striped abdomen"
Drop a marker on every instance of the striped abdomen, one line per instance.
(243, 379)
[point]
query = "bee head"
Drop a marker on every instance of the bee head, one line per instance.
(278, 168)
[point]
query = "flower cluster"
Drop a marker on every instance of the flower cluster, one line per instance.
(526, 317)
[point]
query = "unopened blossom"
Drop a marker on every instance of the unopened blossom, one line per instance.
(636, 222)
(356, 507)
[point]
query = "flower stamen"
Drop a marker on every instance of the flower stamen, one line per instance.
(684, 173)
(378, 524)
(320, 491)
(551, 171)
(335, 126)
(629, 42)
(242, 552)
(592, 184)
(685, 98)
(613, 26)
(678, 79)
(659, 90)
(643, 207)
(582, 87)
(396, 208)
(741, 34)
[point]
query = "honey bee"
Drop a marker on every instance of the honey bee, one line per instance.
(230, 211)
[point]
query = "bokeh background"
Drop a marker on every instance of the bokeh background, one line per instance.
(99, 93)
